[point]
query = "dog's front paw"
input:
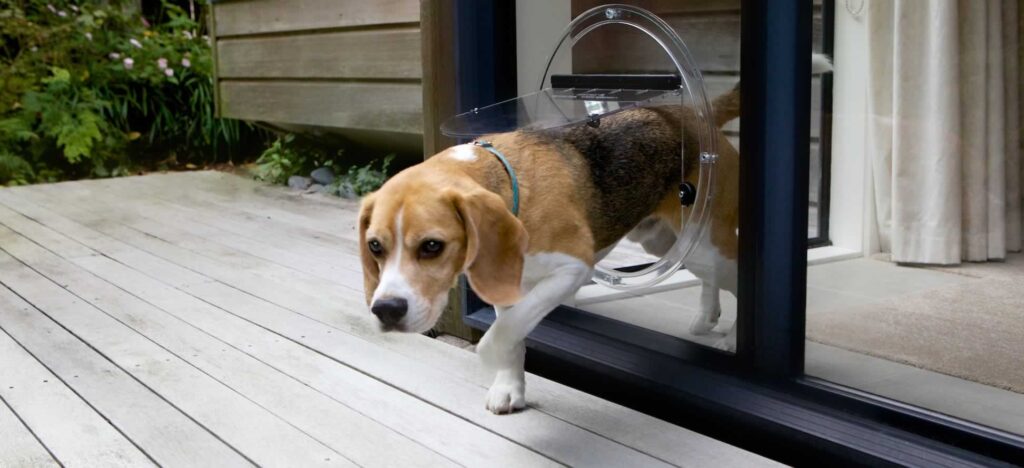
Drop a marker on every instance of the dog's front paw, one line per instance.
(507, 393)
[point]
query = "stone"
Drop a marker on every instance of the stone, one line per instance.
(315, 188)
(346, 191)
(297, 182)
(322, 175)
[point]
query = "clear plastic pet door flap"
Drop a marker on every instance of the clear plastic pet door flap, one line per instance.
(563, 100)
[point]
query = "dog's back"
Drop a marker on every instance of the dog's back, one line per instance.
(633, 159)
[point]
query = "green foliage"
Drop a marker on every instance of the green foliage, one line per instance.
(361, 180)
(280, 161)
(71, 116)
(15, 170)
(89, 88)
(288, 156)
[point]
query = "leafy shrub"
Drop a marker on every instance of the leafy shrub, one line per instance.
(361, 180)
(93, 89)
(288, 156)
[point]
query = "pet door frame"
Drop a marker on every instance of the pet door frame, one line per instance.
(758, 398)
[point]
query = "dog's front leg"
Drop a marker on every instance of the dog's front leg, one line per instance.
(502, 348)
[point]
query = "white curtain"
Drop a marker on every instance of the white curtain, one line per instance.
(943, 129)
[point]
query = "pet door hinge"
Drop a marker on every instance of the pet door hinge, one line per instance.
(687, 194)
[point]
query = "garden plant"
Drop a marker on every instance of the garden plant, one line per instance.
(94, 89)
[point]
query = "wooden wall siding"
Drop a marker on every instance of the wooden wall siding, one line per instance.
(346, 64)
(393, 107)
(242, 17)
(714, 41)
(387, 54)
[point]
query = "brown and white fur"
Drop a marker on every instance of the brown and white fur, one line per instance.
(581, 190)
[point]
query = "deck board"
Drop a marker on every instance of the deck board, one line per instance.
(314, 414)
(68, 427)
(169, 437)
(158, 253)
(20, 447)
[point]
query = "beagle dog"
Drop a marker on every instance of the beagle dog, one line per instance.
(581, 190)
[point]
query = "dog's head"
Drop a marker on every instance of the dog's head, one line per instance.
(420, 231)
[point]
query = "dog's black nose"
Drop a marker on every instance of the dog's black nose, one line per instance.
(390, 310)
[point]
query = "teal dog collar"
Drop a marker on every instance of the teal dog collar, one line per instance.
(508, 168)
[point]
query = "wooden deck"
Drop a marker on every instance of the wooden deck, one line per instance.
(203, 319)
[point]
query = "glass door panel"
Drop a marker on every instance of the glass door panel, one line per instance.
(927, 189)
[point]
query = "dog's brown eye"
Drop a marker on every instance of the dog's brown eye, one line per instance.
(375, 247)
(431, 248)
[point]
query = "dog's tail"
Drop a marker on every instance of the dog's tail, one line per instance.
(727, 106)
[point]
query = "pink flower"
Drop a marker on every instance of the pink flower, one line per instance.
(62, 13)
(135, 42)
(128, 63)
(186, 63)
(169, 72)
(161, 62)
(144, 22)
(49, 6)
(114, 56)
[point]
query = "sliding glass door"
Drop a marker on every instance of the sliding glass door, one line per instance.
(927, 124)
(877, 311)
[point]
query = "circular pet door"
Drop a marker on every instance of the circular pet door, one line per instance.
(566, 99)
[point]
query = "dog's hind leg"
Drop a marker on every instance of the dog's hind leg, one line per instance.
(654, 235)
(710, 310)
(550, 278)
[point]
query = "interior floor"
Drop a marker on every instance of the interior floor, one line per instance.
(949, 339)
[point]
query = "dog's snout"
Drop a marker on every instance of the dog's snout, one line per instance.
(390, 310)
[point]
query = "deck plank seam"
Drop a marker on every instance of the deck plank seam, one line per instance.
(287, 307)
(116, 365)
(22, 421)
(199, 271)
(182, 358)
(243, 351)
(61, 379)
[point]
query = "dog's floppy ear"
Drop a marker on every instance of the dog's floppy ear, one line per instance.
(371, 272)
(495, 245)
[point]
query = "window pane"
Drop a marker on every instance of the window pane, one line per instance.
(921, 296)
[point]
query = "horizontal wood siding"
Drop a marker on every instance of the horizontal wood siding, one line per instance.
(242, 17)
(374, 54)
(394, 107)
(346, 64)
(714, 41)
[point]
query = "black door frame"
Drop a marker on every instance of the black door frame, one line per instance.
(759, 398)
